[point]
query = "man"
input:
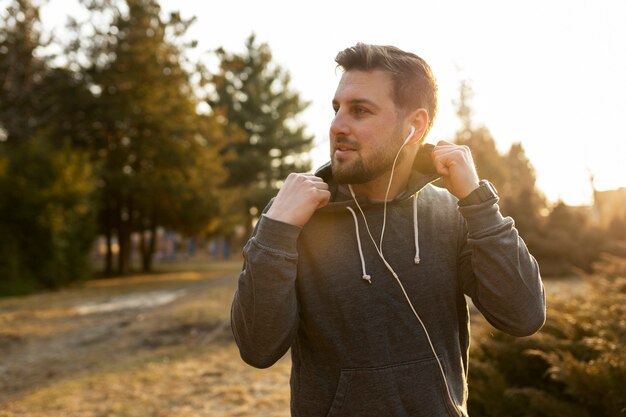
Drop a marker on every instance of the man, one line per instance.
(362, 268)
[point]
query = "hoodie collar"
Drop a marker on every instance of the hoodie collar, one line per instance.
(423, 173)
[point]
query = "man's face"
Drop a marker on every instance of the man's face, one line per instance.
(366, 132)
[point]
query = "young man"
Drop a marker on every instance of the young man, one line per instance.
(362, 269)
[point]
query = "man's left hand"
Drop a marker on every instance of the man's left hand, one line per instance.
(456, 166)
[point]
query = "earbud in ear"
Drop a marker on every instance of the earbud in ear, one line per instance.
(411, 133)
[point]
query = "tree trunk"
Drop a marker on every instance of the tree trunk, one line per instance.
(123, 236)
(146, 253)
(148, 244)
(152, 243)
(108, 258)
(123, 257)
(108, 232)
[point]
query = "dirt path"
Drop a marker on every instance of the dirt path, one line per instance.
(48, 338)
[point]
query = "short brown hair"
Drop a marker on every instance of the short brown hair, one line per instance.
(414, 84)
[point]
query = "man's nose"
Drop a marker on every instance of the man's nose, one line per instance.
(339, 125)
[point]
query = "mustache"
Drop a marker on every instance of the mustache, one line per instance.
(345, 141)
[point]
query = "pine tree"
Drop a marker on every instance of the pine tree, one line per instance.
(46, 208)
(253, 98)
(158, 154)
(21, 71)
(521, 198)
(512, 174)
(489, 162)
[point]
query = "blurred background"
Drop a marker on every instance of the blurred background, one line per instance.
(139, 141)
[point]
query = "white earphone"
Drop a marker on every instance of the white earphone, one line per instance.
(408, 138)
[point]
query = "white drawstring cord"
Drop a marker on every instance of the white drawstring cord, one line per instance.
(358, 241)
(367, 227)
(415, 231)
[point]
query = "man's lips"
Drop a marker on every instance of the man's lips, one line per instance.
(342, 151)
(343, 148)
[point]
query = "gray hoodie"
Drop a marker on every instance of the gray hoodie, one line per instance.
(357, 346)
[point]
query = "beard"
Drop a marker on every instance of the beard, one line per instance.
(362, 170)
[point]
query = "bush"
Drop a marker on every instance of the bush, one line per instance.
(46, 217)
(575, 366)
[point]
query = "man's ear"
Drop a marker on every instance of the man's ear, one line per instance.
(419, 120)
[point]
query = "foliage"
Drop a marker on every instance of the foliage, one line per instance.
(253, 99)
(21, 71)
(521, 198)
(563, 239)
(158, 154)
(46, 210)
(126, 95)
(575, 366)
(570, 241)
(512, 173)
(46, 216)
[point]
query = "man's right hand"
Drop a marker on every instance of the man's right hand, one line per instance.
(298, 198)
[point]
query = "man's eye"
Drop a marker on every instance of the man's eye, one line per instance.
(359, 111)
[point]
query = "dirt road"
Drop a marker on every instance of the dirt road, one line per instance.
(157, 345)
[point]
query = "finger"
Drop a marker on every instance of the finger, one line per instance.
(441, 167)
(320, 185)
(448, 148)
(452, 154)
(312, 177)
(444, 158)
(324, 198)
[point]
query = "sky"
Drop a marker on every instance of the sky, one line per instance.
(550, 74)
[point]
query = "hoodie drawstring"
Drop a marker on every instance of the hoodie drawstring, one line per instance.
(365, 275)
(416, 231)
(358, 242)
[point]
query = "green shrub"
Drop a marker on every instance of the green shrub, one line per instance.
(46, 217)
(575, 366)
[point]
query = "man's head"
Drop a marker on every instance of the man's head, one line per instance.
(414, 85)
(383, 94)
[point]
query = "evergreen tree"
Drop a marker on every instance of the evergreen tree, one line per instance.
(512, 174)
(158, 154)
(46, 188)
(514, 177)
(522, 200)
(46, 216)
(21, 72)
(490, 164)
(253, 98)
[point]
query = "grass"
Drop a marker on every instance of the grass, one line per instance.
(188, 382)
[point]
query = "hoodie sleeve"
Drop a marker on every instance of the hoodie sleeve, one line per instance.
(264, 312)
(498, 273)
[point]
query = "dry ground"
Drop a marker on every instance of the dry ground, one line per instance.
(156, 345)
(152, 345)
